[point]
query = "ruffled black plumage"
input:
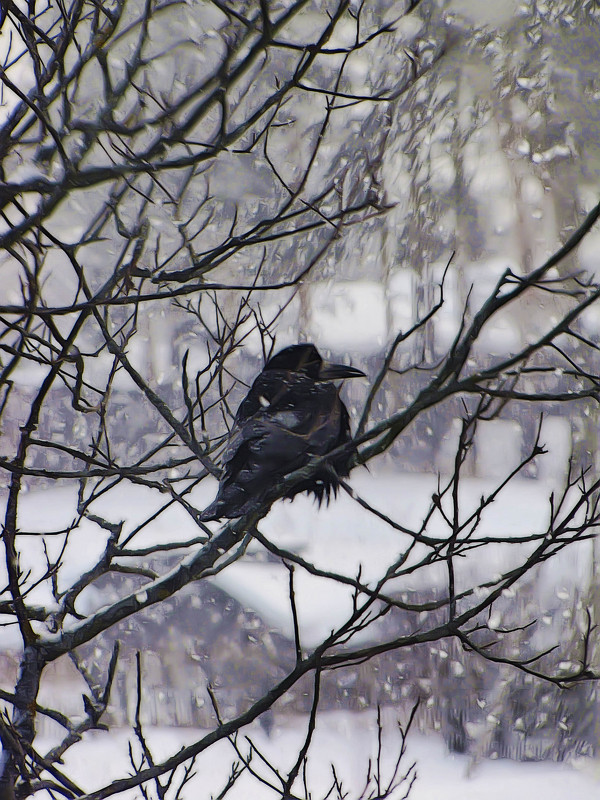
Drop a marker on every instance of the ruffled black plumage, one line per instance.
(292, 413)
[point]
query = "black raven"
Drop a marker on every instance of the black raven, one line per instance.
(292, 413)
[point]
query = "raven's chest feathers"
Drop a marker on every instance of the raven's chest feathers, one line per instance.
(285, 419)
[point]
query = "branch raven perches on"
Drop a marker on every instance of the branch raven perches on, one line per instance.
(292, 413)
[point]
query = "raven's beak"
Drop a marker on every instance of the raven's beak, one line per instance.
(334, 372)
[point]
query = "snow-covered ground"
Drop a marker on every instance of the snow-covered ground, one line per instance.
(347, 741)
(343, 537)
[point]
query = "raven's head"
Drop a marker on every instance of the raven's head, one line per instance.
(305, 358)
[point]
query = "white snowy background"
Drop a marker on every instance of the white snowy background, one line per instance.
(355, 311)
(342, 537)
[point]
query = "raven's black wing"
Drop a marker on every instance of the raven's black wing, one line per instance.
(284, 421)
